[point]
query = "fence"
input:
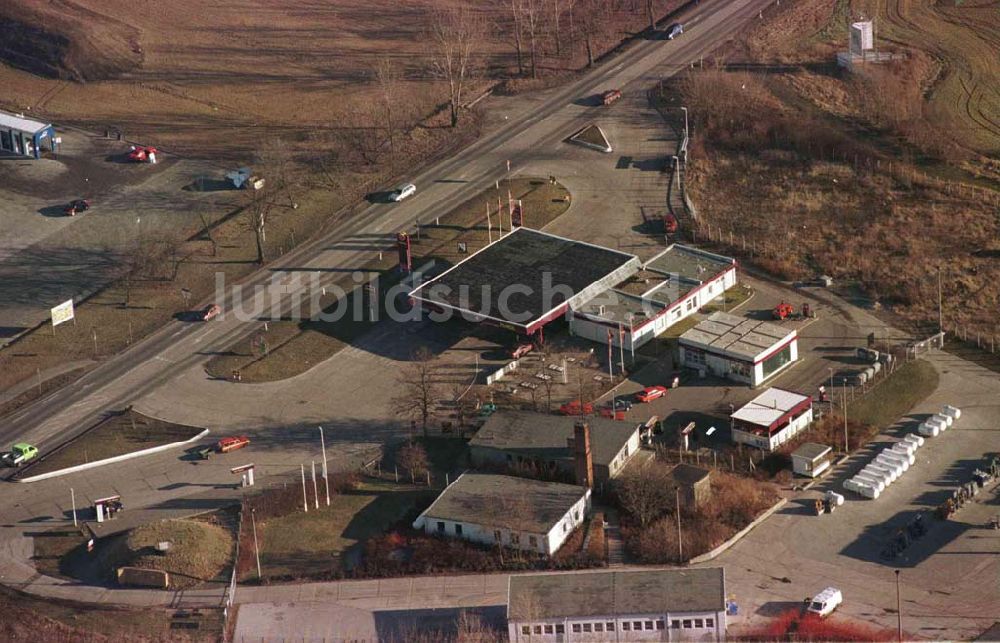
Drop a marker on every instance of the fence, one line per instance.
(227, 610)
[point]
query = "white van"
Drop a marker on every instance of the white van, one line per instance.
(825, 602)
(402, 192)
(674, 30)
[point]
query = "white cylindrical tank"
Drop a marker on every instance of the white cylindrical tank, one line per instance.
(902, 453)
(888, 474)
(903, 445)
(952, 411)
(872, 480)
(928, 430)
(895, 465)
(835, 498)
(861, 488)
(903, 459)
(946, 419)
(913, 438)
(940, 424)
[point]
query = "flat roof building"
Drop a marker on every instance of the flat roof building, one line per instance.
(811, 459)
(526, 279)
(24, 136)
(674, 284)
(654, 605)
(737, 348)
(771, 419)
(505, 510)
(543, 440)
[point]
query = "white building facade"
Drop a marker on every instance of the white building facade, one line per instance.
(739, 349)
(504, 510)
(771, 419)
(618, 606)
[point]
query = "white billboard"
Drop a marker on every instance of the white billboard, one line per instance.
(62, 313)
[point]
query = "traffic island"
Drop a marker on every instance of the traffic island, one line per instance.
(592, 136)
(119, 436)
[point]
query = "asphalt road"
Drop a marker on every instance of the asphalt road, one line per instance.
(154, 361)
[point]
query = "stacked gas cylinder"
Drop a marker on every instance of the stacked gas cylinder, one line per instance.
(939, 421)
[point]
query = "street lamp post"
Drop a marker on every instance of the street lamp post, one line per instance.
(686, 133)
(899, 613)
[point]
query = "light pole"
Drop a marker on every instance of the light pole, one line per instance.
(899, 613)
(326, 479)
(940, 307)
(685, 110)
(843, 393)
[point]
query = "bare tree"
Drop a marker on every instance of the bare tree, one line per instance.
(388, 77)
(515, 12)
(413, 458)
(646, 493)
(418, 388)
(557, 7)
(531, 10)
(592, 25)
(649, 14)
(454, 37)
(259, 208)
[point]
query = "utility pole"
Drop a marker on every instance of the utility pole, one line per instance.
(940, 307)
(843, 390)
(72, 499)
(326, 479)
(899, 612)
(621, 347)
(680, 548)
(256, 548)
(686, 133)
(305, 500)
(315, 487)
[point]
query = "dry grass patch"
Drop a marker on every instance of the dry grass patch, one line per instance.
(199, 551)
(123, 432)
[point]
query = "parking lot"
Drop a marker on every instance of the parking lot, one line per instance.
(47, 257)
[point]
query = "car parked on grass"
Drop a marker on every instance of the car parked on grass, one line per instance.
(19, 454)
(402, 192)
(674, 30)
(75, 206)
(651, 393)
(611, 96)
(574, 407)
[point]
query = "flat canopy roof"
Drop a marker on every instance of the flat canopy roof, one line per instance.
(619, 593)
(811, 451)
(742, 338)
(21, 124)
(688, 262)
(768, 407)
(533, 274)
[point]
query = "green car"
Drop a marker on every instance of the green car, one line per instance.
(19, 454)
(487, 409)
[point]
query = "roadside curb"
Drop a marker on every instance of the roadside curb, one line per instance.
(117, 458)
(704, 558)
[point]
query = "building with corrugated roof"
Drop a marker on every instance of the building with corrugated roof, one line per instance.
(745, 350)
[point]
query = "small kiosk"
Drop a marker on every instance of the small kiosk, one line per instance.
(811, 459)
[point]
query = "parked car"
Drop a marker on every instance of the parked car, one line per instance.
(487, 409)
(521, 350)
(576, 408)
(611, 414)
(826, 601)
(142, 154)
(19, 454)
(674, 30)
(77, 205)
(402, 192)
(651, 393)
(621, 404)
(209, 312)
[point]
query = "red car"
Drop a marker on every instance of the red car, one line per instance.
(669, 223)
(611, 96)
(79, 205)
(521, 350)
(225, 445)
(575, 408)
(608, 412)
(143, 154)
(651, 393)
